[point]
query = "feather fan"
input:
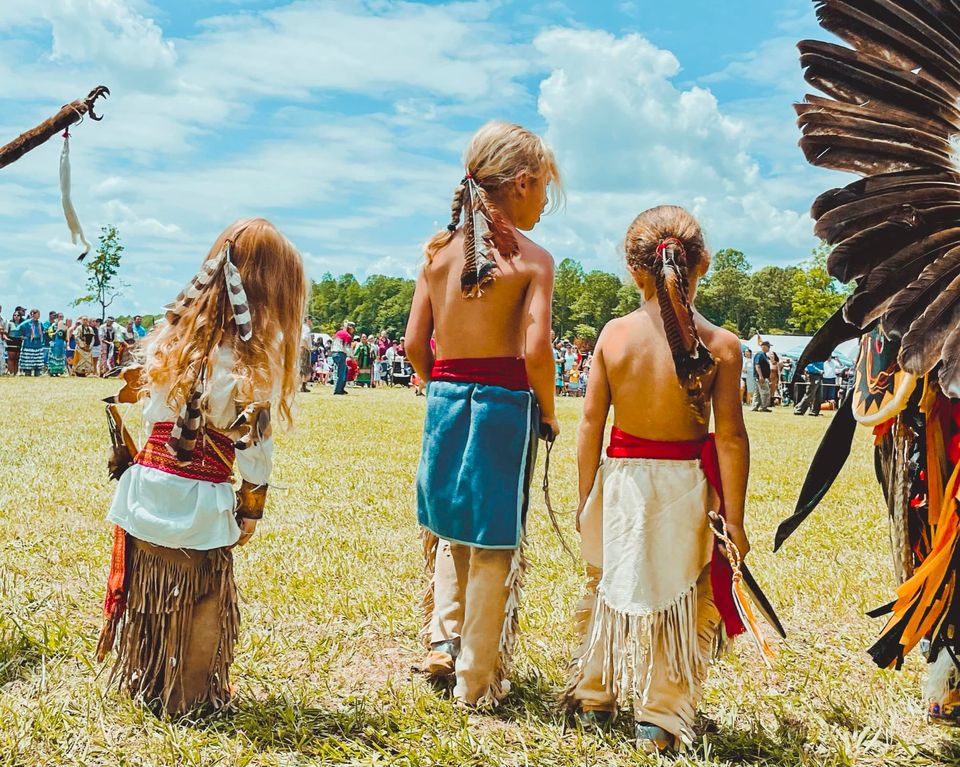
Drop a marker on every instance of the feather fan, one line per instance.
(891, 113)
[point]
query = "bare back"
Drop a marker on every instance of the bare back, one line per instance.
(492, 325)
(647, 398)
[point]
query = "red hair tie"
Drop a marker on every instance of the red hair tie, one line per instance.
(664, 244)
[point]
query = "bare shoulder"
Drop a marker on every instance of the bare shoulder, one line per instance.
(723, 345)
(535, 255)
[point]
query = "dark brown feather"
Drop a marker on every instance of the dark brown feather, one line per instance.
(889, 278)
(900, 33)
(913, 300)
(922, 343)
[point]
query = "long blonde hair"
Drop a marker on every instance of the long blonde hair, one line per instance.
(276, 288)
(667, 243)
(496, 155)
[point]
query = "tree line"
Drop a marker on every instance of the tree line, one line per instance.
(772, 299)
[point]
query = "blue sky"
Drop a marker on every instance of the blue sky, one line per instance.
(344, 123)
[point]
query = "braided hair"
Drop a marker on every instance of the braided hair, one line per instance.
(667, 243)
(497, 154)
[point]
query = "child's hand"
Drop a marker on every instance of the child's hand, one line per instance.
(739, 538)
(579, 512)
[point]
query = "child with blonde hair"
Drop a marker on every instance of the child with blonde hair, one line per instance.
(486, 293)
(228, 349)
(658, 602)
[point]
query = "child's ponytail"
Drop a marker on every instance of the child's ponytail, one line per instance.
(667, 243)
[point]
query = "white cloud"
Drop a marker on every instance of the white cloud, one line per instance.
(628, 138)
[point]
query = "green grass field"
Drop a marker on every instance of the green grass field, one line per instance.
(330, 587)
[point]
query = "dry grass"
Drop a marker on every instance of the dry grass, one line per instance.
(330, 587)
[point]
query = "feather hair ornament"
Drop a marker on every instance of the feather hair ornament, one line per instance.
(238, 297)
(690, 357)
(69, 212)
(183, 437)
(485, 230)
(891, 113)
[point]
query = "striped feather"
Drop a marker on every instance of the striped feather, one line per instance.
(197, 283)
(238, 299)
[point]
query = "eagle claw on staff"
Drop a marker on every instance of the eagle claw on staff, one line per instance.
(101, 91)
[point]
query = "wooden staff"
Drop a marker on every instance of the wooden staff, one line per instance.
(68, 115)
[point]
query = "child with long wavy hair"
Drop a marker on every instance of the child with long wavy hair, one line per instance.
(485, 293)
(227, 350)
(658, 601)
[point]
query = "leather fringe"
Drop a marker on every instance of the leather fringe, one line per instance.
(165, 586)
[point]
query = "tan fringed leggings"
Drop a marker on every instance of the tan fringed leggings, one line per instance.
(179, 628)
(470, 592)
(669, 703)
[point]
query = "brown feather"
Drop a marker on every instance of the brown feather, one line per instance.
(503, 235)
(922, 343)
(950, 372)
(913, 300)
(885, 281)
(900, 33)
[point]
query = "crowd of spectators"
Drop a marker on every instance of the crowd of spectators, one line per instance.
(356, 359)
(767, 380)
(60, 346)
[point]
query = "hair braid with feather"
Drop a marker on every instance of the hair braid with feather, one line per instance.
(666, 242)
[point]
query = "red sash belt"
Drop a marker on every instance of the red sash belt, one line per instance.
(506, 372)
(212, 460)
(624, 445)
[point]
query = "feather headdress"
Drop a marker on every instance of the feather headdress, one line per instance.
(485, 230)
(892, 115)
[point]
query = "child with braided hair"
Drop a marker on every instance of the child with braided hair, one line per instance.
(486, 293)
(658, 603)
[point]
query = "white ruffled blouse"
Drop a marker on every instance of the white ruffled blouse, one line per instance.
(176, 512)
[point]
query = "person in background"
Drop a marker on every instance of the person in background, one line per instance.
(811, 398)
(3, 344)
(761, 371)
(342, 344)
(138, 327)
(830, 368)
(748, 385)
(96, 327)
(365, 354)
(774, 378)
(108, 343)
(83, 359)
(13, 340)
(57, 361)
(31, 352)
(306, 350)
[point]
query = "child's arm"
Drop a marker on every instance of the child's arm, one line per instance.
(420, 329)
(733, 444)
(596, 405)
(538, 354)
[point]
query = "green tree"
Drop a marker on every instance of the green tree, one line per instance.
(598, 300)
(628, 298)
(816, 295)
(103, 282)
(567, 287)
(724, 295)
(586, 332)
(772, 289)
